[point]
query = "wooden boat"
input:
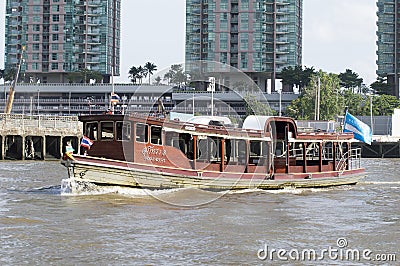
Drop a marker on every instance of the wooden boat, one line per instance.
(266, 153)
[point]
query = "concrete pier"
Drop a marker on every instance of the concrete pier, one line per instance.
(43, 137)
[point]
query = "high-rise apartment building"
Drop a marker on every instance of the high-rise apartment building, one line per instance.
(63, 36)
(389, 42)
(258, 37)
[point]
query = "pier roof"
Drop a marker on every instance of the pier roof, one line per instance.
(92, 88)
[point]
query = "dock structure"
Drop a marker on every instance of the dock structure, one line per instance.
(381, 147)
(37, 137)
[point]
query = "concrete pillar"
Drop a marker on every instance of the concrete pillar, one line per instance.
(23, 147)
(44, 148)
(3, 139)
(61, 146)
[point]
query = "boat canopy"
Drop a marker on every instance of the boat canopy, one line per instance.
(256, 122)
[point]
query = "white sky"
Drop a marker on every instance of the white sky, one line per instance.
(337, 34)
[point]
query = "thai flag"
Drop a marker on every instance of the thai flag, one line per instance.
(86, 142)
(115, 98)
(360, 130)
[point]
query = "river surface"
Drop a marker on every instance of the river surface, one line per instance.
(42, 224)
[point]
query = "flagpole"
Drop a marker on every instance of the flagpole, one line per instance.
(319, 97)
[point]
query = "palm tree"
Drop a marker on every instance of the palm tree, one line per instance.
(150, 67)
(133, 74)
(168, 77)
(141, 73)
(157, 80)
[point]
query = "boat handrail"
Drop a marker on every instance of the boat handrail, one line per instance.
(354, 156)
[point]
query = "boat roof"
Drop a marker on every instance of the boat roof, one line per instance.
(256, 122)
(209, 120)
(254, 127)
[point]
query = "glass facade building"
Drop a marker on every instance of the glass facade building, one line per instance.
(62, 36)
(258, 37)
(388, 42)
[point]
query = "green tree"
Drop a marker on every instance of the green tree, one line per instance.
(9, 74)
(74, 77)
(85, 75)
(243, 86)
(256, 107)
(157, 80)
(350, 80)
(133, 74)
(357, 104)
(168, 77)
(176, 75)
(331, 101)
(150, 68)
(1, 73)
(296, 76)
(384, 104)
(380, 86)
(141, 74)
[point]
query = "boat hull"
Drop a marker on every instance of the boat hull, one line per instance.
(111, 172)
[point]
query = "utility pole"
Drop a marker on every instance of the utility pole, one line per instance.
(317, 100)
(211, 88)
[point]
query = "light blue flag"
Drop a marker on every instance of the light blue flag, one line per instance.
(360, 130)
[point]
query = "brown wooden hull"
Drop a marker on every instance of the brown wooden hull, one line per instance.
(112, 172)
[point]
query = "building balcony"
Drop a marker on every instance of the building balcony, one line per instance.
(235, 20)
(282, 51)
(282, 41)
(282, 10)
(93, 32)
(235, 10)
(234, 49)
(93, 3)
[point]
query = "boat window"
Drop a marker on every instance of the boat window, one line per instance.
(123, 131)
(142, 133)
(258, 152)
(107, 130)
(280, 148)
(91, 131)
(186, 144)
(155, 135)
(327, 151)
(209, 149)
(183, 142)
(238, 151)
(172, 139)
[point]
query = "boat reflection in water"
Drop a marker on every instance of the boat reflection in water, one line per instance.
(210, 153)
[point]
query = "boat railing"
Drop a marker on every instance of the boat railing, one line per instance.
(353, 157)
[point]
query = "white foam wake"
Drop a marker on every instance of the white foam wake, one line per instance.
(70, 187)
(380, 183)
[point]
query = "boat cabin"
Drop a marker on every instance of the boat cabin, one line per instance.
(269, 145)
